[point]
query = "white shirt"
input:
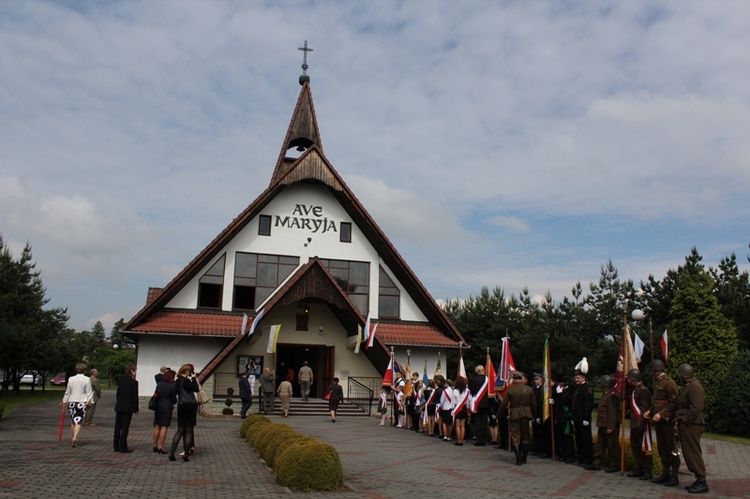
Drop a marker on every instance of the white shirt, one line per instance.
(78, 390)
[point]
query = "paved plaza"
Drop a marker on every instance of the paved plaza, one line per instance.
(378, 462)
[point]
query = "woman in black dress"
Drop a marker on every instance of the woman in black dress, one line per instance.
(337, 396)
(187, 410)
(167, 398)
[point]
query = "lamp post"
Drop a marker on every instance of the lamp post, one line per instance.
(638, 315)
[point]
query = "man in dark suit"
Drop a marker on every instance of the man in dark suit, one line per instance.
(246, 394)
(125, 406)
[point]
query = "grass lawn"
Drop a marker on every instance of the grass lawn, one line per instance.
(735, 439)
(12, 401)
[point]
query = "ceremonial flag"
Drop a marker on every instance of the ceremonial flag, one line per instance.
(359, 338)
(664, 342)
(272, 338)
(489, 369)
(256, 320)
(461, 368)
(437, 369)
(425, 379)
(366, 330)
(547, 388)
(244, 324)
(371, 336)
(388, 377)
(408, 388)
(507, 366)
(638, 348)
(625, 361)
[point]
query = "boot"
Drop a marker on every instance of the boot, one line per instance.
(518, 455)
(524, 453)
(646, 475)
(636, 473)
(698, 488)
(672, 481)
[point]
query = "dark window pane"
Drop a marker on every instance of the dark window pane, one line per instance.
(388, 306)
(244, 265)
(359, 301)
(261, 294)
(345, 234)
(267, 274)
(264, 225)
(209, 295)
(359, 273)
(289, 260)
(244, 297)
(218, 267)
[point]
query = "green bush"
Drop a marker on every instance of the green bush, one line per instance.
(259, 431)
(250, 421)
(735, 403)
(630, 459)
(308, 466)
(281, 441)
(271, 439)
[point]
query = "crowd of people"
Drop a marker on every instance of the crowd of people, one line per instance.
(563, 430)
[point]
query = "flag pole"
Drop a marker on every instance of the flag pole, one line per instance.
(622, 395)
(551, 407)
(393, 395)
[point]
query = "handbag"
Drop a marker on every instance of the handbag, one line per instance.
(201, 395)
(327, 396)
(153, 401)
(186, 398)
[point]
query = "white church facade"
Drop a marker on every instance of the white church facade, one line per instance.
(305, 256)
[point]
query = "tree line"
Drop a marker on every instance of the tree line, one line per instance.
(34, 337)
(706, 312)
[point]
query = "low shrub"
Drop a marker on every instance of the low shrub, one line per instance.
(258, 432)
(282, 441)
(308, 466)
(630, 459)
(250, 421)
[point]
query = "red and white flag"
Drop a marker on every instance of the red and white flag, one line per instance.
(388, 378)
(507, 366)
(665, 346)
(461, 368)
(371, 336)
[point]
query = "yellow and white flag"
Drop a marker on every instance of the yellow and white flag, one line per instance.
(272, 338)
(359, 338)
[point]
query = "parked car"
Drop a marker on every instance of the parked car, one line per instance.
(31, 377)
(59, 380)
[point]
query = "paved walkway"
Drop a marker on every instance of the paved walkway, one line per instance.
(378, 462)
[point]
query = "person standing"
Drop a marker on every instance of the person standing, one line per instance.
(166, 399)
(160, 376)
(520, 403)
(246, 393)
(186, 387)
(562, 396)
(583, 406)
(305, 379)
(639, 402)
(125, 406)
(479, 388)
(690, 423)
(77, 396)
(607, 423)
(538, 425)
(268, 387)
(285, 395)
(337, 396)
(96, 388)
(662, 412)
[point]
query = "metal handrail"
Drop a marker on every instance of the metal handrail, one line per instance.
(360, 395)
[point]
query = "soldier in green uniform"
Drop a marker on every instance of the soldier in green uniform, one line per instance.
(607, 423)
(661, 414)
(521, 405)
(639, 401)
(690, 423)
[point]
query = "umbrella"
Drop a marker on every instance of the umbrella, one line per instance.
(62, 425)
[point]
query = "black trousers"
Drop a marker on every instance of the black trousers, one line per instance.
(122, 428)
(480, 425)
(584, 443)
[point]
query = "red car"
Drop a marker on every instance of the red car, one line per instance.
(59, 380)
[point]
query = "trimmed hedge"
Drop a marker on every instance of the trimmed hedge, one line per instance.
(630, 460)
(298, 461)
(309, 466)
(251, 420)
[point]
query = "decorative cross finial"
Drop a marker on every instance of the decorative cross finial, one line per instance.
(304, 60)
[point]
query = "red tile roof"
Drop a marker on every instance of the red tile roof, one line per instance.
(196, 323)
(412, 334)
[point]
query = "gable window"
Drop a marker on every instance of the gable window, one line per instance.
(345, 234)
(388, 297)
(264, 225)
(353, 278)
(257, 275)
(211, 285)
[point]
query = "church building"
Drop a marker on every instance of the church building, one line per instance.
(305, 266)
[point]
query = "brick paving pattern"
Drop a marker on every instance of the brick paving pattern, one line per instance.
(378, 462)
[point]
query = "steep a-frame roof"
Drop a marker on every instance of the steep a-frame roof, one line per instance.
(311, 166)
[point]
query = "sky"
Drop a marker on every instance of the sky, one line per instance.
(503, 144)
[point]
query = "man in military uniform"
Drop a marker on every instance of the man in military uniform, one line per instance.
(661, 414)
(607, 423)
(583, 406)
(639, 401)
(521, 405)
(690, 423)
(538, 427)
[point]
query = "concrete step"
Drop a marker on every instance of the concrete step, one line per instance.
(314, 407)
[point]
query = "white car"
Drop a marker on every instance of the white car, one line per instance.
(31, 377)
